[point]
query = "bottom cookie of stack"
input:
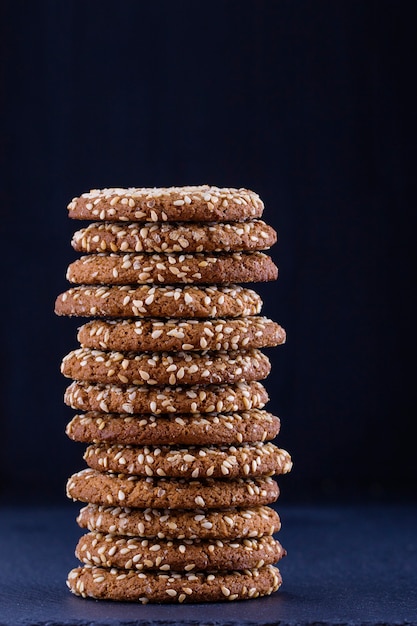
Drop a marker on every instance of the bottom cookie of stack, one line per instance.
(114, 584)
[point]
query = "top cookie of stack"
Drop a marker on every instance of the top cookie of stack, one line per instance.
(202, 203)
(172, 362)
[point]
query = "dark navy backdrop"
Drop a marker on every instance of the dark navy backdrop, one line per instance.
(308, 103)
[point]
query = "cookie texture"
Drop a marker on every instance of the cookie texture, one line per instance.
(165, 368)
(137, 553)
(195, 203)
(229, 524)
(195, 429)
(129, 585)
(180, 452)
(199, 268)
(170, 399)
(106, 488)
(157, 301)
(257, 459)
(151, 335)
(174, 237)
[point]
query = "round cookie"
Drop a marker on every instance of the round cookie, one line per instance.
(185, 555)
(128, 585)
(168, 269)
(166, 302)
(106, 488)
(174, 237)
(165, 368)
(167, 524)
(147, 399)
(196, 429)
(195, 203)
(147, 335)
(251, 460)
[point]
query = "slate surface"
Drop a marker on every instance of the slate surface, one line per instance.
(345, 565)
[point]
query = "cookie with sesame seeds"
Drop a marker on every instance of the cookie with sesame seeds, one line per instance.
(168, 269)
(157, 400)
(177, 524)
(165, 368)
(195, 429)
(195, 203)
(184, 302)
(184, 555)
(174, 237)
(154, 335)
(256, 459)
(98, 487)
(104, 583)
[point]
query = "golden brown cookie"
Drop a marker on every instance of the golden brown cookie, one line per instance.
(167, 524)
(257, 459)
(165, 368)
(154, 335)
(167, 302)
(197, 203)
(195, 429)
(147, 399)
(106, 488)
(169, 269)
(138, 553)
(129, 585)
(174, 237)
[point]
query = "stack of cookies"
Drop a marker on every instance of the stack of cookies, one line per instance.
(168, 382)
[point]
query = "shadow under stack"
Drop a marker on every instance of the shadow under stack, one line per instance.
(167, 388)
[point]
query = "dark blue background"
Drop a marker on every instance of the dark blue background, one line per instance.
(310, 104)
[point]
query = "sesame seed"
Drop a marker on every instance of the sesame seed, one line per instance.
(189, 567)
(155, 548)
